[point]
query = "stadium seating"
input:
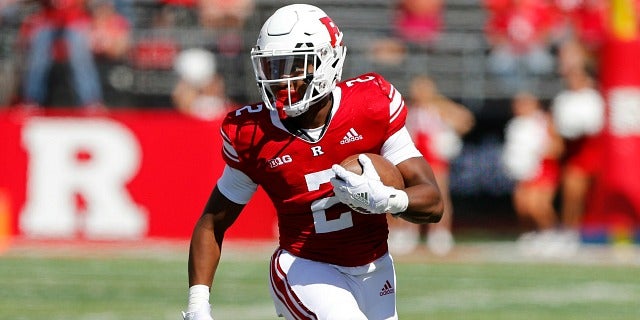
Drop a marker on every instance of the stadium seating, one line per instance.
(456, 61)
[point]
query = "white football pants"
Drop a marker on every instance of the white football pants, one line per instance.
(305, 289)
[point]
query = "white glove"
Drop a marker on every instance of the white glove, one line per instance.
(365, 193)
(204, 313)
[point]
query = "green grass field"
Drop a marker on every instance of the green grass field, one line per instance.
(99, 284)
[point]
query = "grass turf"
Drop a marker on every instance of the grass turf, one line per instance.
(126, 287)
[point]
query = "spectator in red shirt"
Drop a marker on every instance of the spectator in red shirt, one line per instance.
(184, 3)
(582, 19)
(65, 20)
(110, 31)
(418, 22)
(518, 33)
(157, 49)
(221, 14)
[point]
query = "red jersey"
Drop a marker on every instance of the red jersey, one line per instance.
(426, 127)
(295, 172)
(63, 13)
(523, 23)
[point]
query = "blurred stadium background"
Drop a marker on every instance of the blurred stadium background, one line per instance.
(456, 61)
(83, 271)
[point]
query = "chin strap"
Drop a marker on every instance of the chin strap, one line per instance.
(302, 133)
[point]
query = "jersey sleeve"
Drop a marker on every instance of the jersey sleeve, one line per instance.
(229, 153)
(399, 147)
(236, 186)
(237, 130)
(397, 111)
(396, 106)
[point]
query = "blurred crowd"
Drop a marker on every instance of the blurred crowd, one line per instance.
(580, 147)
(570, 157)
(573, 159)
(86, 41)
(97, 36)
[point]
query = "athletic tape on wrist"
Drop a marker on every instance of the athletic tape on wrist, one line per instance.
(198, 295)
(398, 202)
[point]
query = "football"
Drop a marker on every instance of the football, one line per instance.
(389, 174)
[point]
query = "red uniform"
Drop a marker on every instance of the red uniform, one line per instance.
(423, 142)
(585, 153)
(295, 173)
(523, 23)
(62, 13)
(548, 175)
(425, 127)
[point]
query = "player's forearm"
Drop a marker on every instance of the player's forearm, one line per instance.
(206, 240)
(425, 204)
(204, 253)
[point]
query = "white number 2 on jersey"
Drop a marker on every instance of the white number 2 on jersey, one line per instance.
(350, 83)
(318, 207)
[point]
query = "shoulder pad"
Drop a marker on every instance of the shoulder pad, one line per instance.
(370, 80)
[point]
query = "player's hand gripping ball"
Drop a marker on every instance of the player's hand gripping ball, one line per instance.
(368, 183)
(388, 173)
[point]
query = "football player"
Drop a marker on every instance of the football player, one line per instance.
(332, 261)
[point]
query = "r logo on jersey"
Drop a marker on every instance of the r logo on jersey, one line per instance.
(317, 151)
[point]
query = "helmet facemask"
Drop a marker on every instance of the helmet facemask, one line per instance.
(287, 85)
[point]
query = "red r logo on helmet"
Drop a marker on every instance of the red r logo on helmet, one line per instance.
(332, 28)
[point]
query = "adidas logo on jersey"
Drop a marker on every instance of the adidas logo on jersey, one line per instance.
(351, 136)
(387, 289)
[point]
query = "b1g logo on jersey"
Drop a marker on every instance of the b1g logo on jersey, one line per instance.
(278, 161)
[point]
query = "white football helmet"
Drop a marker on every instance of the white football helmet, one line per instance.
(298, 58)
